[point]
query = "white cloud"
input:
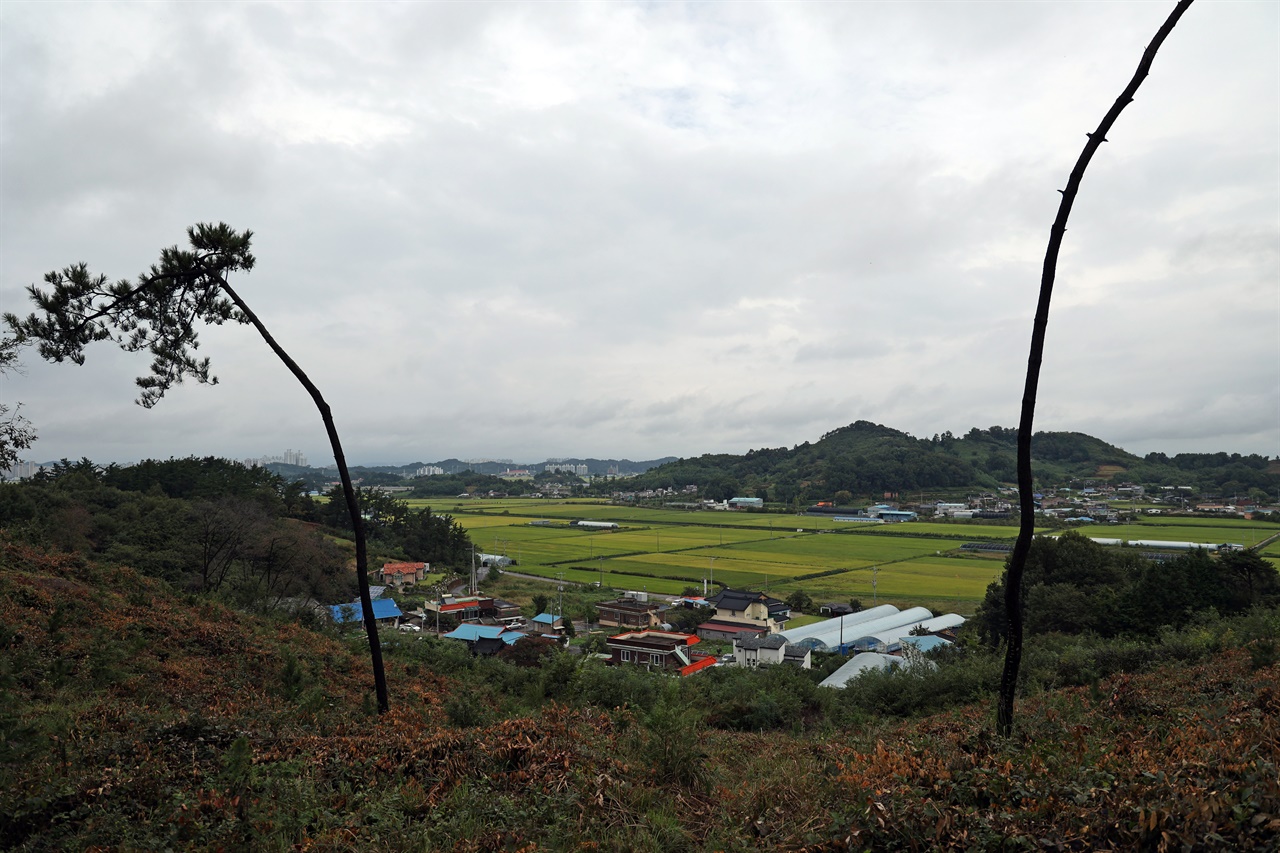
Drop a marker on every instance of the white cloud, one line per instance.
(631, 229)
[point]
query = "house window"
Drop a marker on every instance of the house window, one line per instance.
(656, 658)
(626, 655)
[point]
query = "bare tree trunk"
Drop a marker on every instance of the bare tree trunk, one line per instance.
(1018, 561)
(348, 492)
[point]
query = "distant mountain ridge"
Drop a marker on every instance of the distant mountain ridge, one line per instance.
(457, 466)
(867, 458)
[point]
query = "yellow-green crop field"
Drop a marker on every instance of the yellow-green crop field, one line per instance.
(1243, 532)
(665, 551)
(941, 583)
(968, 531)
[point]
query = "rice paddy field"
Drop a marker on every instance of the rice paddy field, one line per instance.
(668, 550)
(1206, 531)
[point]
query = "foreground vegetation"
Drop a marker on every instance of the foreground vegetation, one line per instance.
(136, 716)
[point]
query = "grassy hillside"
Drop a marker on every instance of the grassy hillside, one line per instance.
(134, 717)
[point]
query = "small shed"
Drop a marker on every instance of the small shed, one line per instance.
(548, 623)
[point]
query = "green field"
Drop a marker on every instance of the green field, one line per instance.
(1242, 533)
(941, 583)
(968, 531)
(665, 551)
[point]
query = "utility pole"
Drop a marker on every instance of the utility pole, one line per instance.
(874, 570)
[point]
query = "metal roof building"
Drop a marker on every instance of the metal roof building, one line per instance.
(890, 639)
(848, 620)
(383, 608)
(925, 644)
(858, 664)
(833, 634)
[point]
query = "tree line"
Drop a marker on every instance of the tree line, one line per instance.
(214, 526)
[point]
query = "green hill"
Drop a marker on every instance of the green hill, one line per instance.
(867, 459)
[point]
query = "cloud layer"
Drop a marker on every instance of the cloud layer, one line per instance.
(634, 229)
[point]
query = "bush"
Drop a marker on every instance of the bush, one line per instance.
(915, 690)
(617, 686)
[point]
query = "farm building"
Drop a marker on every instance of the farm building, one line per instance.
(848, 631)
(889, 640)
(926, 643)
(597, 525)
(1166, 545)
(857, 665)
(866, 662)
(891, 514)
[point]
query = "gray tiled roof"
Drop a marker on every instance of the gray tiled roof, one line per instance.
(772, 641)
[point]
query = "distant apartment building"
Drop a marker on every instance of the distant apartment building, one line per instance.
(22, 470)
(566, 468)
(429, 471)
(290, 457)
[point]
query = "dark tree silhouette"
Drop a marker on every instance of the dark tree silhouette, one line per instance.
(160, 313)
(1026, 531)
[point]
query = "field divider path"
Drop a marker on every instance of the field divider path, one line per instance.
(1257, 549)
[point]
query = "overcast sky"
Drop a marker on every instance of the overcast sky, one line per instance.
(646, 229)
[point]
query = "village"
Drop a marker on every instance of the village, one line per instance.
(672, 635)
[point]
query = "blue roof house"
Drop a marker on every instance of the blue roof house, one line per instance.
(484, 639)
(547, 623)
(383, 609)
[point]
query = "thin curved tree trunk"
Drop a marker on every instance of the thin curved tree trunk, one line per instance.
(1018, 561)
(348, 491)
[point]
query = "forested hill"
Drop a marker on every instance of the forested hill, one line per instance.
(866, 459)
